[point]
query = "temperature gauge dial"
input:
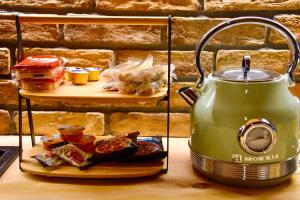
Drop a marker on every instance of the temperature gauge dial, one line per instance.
(257, 136)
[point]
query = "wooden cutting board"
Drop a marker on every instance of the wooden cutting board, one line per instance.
(90, 91)
(102, 170)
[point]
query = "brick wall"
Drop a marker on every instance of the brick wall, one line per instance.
(99, 45)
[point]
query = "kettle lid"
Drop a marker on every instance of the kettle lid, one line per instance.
(245, 74)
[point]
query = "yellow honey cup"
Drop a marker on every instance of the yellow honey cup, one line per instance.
(68, 71)
(94, 73)
(79, 77)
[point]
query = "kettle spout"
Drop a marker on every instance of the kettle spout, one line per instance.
(188, 94)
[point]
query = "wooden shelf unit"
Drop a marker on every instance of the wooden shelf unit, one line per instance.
(88, 92)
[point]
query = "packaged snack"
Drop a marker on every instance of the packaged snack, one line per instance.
(86, 143)
(38, 73)
(142, 79)
(40, 62)
(149, 149)
(131, 74)
(128, 87)
(151, 73)
(71, 133)
(133, 136)
(114, 148)
(44, 72)
(109, 150)
(52, 141)
(147, 89)
(48, 159)
(41, 84)
(72, 154)
(112, 74)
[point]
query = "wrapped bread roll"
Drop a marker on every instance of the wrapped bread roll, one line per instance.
(146, 75)
(128, 87)
(133, 73)
(147, 89)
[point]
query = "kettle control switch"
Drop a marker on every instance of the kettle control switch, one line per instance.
(257, 136)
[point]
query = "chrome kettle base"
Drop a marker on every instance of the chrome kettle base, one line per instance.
(245, 175)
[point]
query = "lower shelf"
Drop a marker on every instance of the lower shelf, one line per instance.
(102, 170)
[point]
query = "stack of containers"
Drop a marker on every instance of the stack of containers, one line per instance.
(44, 72)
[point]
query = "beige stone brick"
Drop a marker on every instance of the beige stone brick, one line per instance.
(40, 32)
(7, 30)
(276, 60)
(149, 6)
(183, 60)
(30, 32)
(187, 32)
(235, 5)
(292, 22)
(8, 92)
(46, 4)
(4, 61)
(113, 35)
(47, 122)
(78, 57)
(5, 122)
(149, 124)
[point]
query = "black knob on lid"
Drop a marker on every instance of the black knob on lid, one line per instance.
(246, 65)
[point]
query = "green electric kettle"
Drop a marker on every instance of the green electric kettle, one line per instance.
(244, 121)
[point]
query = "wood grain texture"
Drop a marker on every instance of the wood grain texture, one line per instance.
(90, 91)
(102, 170)
(84, 19)
(180, 183)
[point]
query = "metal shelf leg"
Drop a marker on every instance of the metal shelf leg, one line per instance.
(20, 133)
(165, 170)
(28, 106)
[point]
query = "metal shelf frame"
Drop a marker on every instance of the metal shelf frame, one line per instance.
(85, 19)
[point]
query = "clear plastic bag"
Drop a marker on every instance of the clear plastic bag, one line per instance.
(136, 77)
(112, 73)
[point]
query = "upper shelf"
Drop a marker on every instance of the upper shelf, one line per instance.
(89, 92)
(85, 19)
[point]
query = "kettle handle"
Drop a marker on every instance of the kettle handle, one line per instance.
(292, 42)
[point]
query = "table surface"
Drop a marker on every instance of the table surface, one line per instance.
(181, 182)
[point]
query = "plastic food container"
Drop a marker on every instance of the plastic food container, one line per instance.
(94, 73)
(71, 133)
(86, 143)
(79, 77)
(68, 71)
